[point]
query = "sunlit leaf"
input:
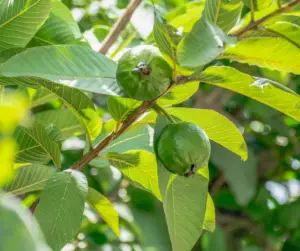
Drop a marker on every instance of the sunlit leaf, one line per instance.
(139, 166)
(270, 52)
(105, 209)
(61, 206)
(258, 4)
(266, 91)
(8, 150)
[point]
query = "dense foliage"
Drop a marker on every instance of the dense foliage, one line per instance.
(85, 152)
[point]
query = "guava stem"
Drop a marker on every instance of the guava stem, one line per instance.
(163, 112)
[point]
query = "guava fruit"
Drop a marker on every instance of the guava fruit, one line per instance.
(143, 73)
(183, 148)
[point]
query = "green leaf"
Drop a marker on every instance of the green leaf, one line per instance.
(79, 103)
(35, 146)
(199, 47)
(72, 65)
(286, 30)
(61, 206)
(210, 215)
(217, 127)
(139, 166)
(59, 28)
(223, 13)
(167, 39)
(241, 176)
(105, 209)
(186, 15)
(215, 241)
(29, 178)
(119, 108)
(205, 41)
(258, 4)
(266, 91)
(137, 137)
(20, 20)
(184, 202)
(19, 230)
(63, 119)
(178, 94)
(42, 96)
(271, 52)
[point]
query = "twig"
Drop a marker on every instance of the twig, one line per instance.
(119, 26)
(255, 24)
(220, 181)
(93, 153)
(34, 205)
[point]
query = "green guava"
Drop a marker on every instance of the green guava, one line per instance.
(143, 73)
(183, 148)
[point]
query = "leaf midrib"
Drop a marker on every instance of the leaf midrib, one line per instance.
(19, 14)
(60, 207)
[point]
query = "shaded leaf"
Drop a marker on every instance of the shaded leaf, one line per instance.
(79, 103)
(241, 176)
(63, 119)
(29, 178)
(61, 206)
(184, 208)
(35, 146)
(20, 20)
(258, 4)
(105, 209)
(139, 166)
(19, 230)
(266, 91)
(59, 28)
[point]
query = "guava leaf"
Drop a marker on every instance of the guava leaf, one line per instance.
(184, 208)
(59, 28)
(263, 90)
(29, 178)
(271, 52)
(35, 146)
(139, 166)
(61, 206)
(105, 209)
(19, 22)
(70, 65)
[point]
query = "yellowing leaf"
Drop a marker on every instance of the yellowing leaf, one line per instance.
(13, 109)
(7, 156)
(106, 210)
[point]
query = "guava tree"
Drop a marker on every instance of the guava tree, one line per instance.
(52, 84)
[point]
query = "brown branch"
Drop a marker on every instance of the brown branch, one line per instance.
(255, 24)
(93, 153)
(119, 26)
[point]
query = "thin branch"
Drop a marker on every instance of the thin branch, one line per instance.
(119, 26)
(93, 153)
(255, 24)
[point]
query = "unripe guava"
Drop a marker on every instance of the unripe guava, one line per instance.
(143, 73)
(183, 148)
